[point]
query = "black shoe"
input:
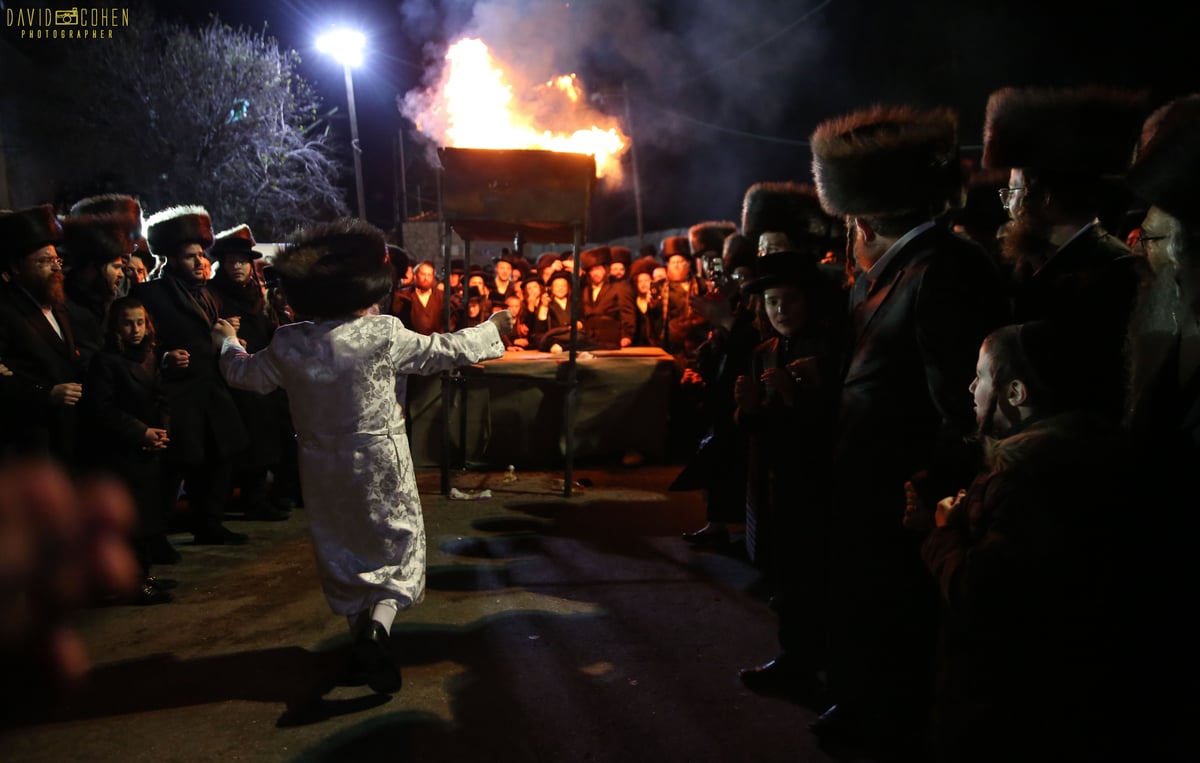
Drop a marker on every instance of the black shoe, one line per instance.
(222, 536)
(709, 535)
(373, 659)
(838, 725)
(160, 551)
(162, 584)
(779, 677)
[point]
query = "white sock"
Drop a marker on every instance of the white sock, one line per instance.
(384, 613)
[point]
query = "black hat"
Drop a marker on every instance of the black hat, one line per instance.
(564, 274)
(112, 204)
(783, 268)
(237, 240)
(600, 256)
(621, 254)
(1167, 171)
(457, 265)
(792, 209)
(547, 260)
(27, 230)
(675, 245)
(888, 161)
(709, 236)
(96, 239)
(333, 269)
(175, 227)
(1089, 131)
(738, 252)
(398, 258)
(507, 256)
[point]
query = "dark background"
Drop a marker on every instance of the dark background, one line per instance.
(722, 93)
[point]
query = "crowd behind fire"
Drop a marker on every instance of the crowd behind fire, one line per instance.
(953, 411)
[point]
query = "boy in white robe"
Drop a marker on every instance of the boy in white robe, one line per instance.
(345, 373)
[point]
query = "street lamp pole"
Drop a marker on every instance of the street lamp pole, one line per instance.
(346, 46)
(358, 175)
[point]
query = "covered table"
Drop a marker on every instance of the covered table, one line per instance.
(510, 410)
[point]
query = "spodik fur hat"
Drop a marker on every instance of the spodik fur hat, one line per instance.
(334, 269)
(888, 160)
(175, 227)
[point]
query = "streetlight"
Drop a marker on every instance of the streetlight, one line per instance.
(346, 46)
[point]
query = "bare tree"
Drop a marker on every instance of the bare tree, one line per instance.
(215, 116)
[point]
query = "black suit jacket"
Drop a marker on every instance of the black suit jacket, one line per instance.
(610, 316)
(39, 359)
(423, 319)
(205, 424)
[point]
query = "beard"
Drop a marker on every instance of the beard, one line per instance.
(1026, 244)
(1159, 319)
(49, 291)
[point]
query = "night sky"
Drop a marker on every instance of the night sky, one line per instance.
(723, 93)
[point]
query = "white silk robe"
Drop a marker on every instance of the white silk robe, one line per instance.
(346, 382)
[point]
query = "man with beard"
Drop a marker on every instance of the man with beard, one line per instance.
(37, 345)
(96, 251)
(422, 308)
(244, 305)
(923, 300)
(206, 430)
(607, 310)
(1065, 151)
(1163, 413)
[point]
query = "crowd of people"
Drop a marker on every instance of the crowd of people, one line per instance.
(959, 431)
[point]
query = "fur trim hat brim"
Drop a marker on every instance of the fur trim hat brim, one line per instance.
(1088, 130)
(888, 161)
(621, 254)
(789, 208)
(239, 240)
(1167, 171)
(599, 257)
(27, 230)
(112, 204)
(96, 239)
(175, 227)
(675, 246)
(710, 236)
(643, 265)
(334, 269)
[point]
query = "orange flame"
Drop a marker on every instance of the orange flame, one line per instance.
(472, 106)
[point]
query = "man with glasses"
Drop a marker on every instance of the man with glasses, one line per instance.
(37, 344)
(1066, 151)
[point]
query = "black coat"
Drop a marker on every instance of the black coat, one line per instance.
(1092, 283)
(39, 359)
(203, 412)
(904, 411)
(423, 319)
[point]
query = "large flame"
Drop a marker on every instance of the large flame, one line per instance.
(472, 106)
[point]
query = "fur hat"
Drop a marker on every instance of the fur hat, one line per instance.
(239, 240)
(175, 227)
(643, 265)
(27, 230)
(887, 160)
(1088, 130)
(333, 269)
(739, 252)
(789, 208)
(600, 256)
(675, 245)
(783, 268)
(112, 204)
(457, 265)
(1167, 171)
(96, 239)
(621, 254)
(710, 236)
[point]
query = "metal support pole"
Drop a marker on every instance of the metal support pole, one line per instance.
(637, 181)
(357, 149)
(570, 399)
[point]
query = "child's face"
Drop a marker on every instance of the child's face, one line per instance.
(131, 326)
(786, 309)
(983, 388)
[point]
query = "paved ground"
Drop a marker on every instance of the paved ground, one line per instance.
(554, 629)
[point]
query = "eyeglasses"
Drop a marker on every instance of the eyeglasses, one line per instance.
(1008, 194)
(1142, 245)
(48, 262)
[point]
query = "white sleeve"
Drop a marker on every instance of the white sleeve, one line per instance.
(415, 353)
(257, 373)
